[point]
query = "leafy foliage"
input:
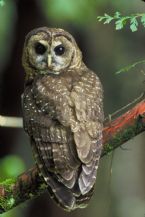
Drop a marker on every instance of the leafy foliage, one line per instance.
(121, 21)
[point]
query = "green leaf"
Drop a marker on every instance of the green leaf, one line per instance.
(133, 24)
(100, 18)
(108, 19)
(117, 15)
(119, 24)
(143, 20)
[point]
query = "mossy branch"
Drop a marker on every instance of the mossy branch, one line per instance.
(116, 131)
(15, 191)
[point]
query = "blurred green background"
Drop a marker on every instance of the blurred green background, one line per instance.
(120, 186)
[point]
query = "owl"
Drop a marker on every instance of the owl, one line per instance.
(63, 115)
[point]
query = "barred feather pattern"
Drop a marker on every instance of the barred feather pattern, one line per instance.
(63, 116)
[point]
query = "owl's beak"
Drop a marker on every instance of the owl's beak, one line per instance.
(49, 60)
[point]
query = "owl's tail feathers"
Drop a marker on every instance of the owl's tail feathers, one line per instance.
(67, 199)
(83, 200)
(61, 195)
(87, 177)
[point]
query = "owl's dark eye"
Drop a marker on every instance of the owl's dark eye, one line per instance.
(40, 48)
(59, 50)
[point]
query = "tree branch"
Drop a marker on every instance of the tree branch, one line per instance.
(15, 191)
(116, 131)
(6, 121)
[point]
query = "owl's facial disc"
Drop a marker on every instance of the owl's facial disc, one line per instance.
(50, 51)
(51, 57)
(60, 54)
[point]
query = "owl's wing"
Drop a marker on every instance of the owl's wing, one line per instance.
(49, 145)
(87, 125)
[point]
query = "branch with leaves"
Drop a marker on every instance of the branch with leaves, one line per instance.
(121, 21)
(116, 132)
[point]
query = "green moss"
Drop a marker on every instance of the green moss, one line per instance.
(107, 148)
(8, 182)
(7, 203)
(122, 137)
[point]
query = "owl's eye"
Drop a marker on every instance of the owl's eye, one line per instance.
(40, 48)
(59, 50)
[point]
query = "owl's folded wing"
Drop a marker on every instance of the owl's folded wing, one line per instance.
(87, 126)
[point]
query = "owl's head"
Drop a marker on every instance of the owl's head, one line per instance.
(50, 50)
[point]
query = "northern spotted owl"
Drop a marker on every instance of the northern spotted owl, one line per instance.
(63, 115)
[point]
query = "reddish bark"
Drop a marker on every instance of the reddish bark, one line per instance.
(123, 128)
(124, 121)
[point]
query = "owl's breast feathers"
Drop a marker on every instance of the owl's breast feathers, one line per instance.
(64, 118)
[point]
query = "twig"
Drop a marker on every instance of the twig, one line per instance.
(6, 121)
(115, 133)
(129, 105)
